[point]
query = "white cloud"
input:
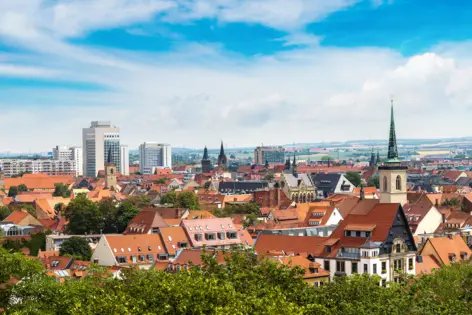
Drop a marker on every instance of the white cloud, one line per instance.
(198, 93)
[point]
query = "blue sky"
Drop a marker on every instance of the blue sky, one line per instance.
(192, 72)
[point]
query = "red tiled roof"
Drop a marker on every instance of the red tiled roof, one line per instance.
(173, 237)
(16, 217)
(267, 244)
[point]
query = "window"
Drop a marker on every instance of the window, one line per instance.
(210, 236)
(410, 263)
(384, 267)
(397, 264)
(375, 268)
(150, 257)
(366, 268)
(221, 235)
(134, 259)
(326, 265)
(232, 235)
(198, 237)
(367, 234)
(398, 248)
(384, 282)
(328, 249)
(399, 183)
(354, 267)
(142, 258)
(121, 259)
(358, 233)
(340, 266)
(162, 256)
(347, 233)
(385, 184)
(183, 244)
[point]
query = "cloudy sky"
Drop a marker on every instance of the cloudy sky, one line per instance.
(192, 72)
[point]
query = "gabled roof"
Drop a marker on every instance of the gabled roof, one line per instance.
(305, 264)
(445, 246)
(168, 213)
(139, 244)
(194, 256)
(57, 262)
(173, 237)
(145, 220)
(16, 217)
(280, 245)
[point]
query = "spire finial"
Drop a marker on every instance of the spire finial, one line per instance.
(392, 141)
(109, 159)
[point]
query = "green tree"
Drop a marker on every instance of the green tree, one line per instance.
(326, 158)
(4, 212)
(61, 190)
(76, 247)
(13, 191)
(126, 212)
(353, 177)
(169, 198)
(453, 202)
(109, 210)
(83, 216)
(251, 219)
(188, 200)
(373, 181)
(22, 188)
(160, 181)
(59, 208)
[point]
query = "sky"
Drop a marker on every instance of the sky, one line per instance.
(195, 72)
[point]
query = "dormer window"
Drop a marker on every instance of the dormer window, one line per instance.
(328, 249)
(463, 255)
(452, 258)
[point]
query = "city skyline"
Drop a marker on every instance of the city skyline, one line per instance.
(192, 72)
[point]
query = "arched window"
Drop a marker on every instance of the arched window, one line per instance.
(399, 183)
(398, 248)
(385, 183)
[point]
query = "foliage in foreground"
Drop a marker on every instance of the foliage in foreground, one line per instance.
(244, 286)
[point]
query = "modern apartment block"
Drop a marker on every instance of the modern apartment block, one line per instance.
(98, 139)
(12, 167)
(273, 155)
(152, 155)
(66, 153)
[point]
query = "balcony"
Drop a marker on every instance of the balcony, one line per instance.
(348, 255)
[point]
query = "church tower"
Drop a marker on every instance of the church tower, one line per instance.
(206, 163)
(222, 161)
(392, 173)
(110, 172)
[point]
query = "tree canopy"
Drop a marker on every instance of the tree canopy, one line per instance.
(245, 285)
(61, 190)
(186, 199)
(76, 247)
(354, 178)
(373, 181)
(230, 209)
(13, 191)
(22, 188)
(83, 216)
(4, 212)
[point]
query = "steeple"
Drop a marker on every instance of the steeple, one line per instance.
(206, 163)
(392, 140)
(205, 153)
(222, 150)
(294, 165)
(372, 161)
(222, 161)
(378, 157)
(109, 159)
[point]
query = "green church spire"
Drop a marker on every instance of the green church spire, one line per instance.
(392, 141)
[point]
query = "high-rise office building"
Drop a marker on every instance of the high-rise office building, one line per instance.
(272, 155)
(98, 140)
(124, 160)
(152, 155)
(66, 153)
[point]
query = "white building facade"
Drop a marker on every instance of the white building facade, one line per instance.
(124, 160)
(66, 153)
(98, 140)
(12, 167)
(152, 155)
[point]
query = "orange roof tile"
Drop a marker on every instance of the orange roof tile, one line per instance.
(173, 239)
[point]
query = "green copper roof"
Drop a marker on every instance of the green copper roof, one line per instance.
(392, 140)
